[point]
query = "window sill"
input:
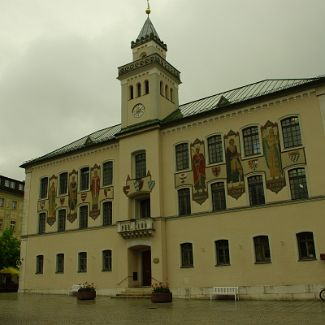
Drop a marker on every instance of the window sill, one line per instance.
(187, 267)
(307, 259)
(221, 265)
(255, 156)
(106, 270)
(82, 271)
(292, 148)
(59, 272)
(263, 262)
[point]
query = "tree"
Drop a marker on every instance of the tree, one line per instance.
(9, 249)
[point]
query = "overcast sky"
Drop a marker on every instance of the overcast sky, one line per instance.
(59, 59)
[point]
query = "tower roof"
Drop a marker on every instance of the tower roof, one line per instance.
(148, 33)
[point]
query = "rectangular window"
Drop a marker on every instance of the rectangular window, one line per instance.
(39, 264)
(182, 159)
(186, 255)
(222, 252)
(2, 202)
(108, 173)
(14, 205)
(256, 190)
(291, 132)
(83, 217)
(144, 208)
(107, 213)
(12, 225)
(184, 202)
(21, 187)
(140, 164)
(63, 183)
(262, 249)
(218, 196)
(44, 187)
(82, 262)
(107, 260)
(306, 246)
(12, 185)
(84, 179)
(215, 149)
(251, 141)
(298, 184)
(41, 223)
(62, 214)
(60, 263)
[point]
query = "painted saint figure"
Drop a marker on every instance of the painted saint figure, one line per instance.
(198, 166)
(73, 193)
(95, 187)
(52, 197)
(234, 166)
(272, 154)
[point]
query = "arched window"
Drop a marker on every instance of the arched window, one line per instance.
(291, 132)
(131, 92)
(166, 91)
(171, 95)
(139, 89)
(146, 87)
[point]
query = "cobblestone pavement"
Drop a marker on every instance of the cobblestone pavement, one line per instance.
(55, 309)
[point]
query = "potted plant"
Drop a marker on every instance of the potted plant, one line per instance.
(161, 292)
(87, 291)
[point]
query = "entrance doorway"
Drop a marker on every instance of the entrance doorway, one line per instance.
(146, 268)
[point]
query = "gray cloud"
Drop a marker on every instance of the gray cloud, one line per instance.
(58, 61)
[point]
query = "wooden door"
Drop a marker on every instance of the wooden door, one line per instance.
(146, 268)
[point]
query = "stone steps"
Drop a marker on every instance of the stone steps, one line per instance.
(134, 293)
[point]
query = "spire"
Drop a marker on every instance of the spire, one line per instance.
(148, 33)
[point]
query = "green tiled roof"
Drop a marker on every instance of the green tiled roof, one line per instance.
(237, 95)
(212, 103)
(97, 137)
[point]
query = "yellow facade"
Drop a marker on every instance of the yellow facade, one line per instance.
(11, 205)
(260, 228)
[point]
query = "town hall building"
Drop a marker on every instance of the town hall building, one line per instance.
(227, 190)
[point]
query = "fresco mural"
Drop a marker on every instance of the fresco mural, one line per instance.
(72, 200)
(51, 217)
(235, 173)
(95, 188)
(275, 179)
(200, 193)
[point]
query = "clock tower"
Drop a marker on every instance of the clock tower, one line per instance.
(149, 83)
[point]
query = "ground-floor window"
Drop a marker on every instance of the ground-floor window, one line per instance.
(262, 249)
(82, 262)
(39, 264)
(59, 263)
(186, 255)
(222, 252)
(306, 246)
(107, 260)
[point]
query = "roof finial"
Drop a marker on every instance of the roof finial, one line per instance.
(148, 10)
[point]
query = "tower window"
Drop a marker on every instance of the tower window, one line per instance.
(171, 95)
(140, 164)
(166, 91)
(161, 88)
(131, 92)
(139, 89)
(146, 87)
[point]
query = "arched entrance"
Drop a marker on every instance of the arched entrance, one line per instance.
(139, 266)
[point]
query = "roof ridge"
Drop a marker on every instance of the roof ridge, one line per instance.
(250, 84)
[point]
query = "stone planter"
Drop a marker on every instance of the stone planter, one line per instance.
(86, 294)
(161, 297)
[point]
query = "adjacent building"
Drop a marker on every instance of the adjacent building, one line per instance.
(227, 190)
(11, 204)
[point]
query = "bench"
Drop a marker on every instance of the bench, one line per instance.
(224, 291)
(74, 289)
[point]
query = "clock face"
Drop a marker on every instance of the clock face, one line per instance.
(138, 110)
